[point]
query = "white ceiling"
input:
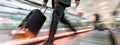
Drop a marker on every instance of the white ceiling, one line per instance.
(98, 5)
(92, 5)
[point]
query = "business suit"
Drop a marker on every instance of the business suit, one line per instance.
(65, 2)
(58, 14)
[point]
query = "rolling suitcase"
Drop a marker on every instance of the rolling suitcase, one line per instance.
(32, 23)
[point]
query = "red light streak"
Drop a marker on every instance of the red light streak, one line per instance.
(19, 41)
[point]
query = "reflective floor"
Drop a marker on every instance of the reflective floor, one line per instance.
(93, 37)
(89, 38)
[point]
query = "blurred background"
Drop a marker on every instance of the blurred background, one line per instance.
(12, 12)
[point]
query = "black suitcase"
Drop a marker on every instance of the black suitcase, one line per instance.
(33, 22)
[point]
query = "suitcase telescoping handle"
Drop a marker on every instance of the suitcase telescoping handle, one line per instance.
(44, 10)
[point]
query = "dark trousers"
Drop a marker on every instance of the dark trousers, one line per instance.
(58, 15)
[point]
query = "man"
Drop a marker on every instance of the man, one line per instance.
(58, 14)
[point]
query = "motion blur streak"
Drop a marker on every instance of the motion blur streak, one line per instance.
(28, 40)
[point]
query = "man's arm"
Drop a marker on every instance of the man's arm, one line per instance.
(77, 2)
(44, 3)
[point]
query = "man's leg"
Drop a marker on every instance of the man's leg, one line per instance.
(57, 13)
(66, 22)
